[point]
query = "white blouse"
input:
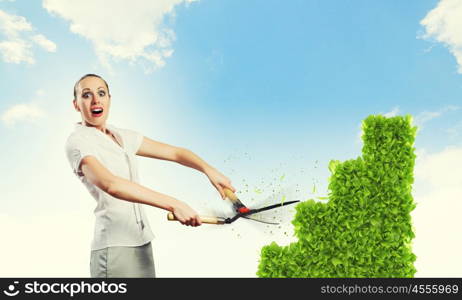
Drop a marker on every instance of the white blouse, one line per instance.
(118, 222)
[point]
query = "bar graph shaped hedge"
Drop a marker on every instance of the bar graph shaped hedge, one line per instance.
(365, 229)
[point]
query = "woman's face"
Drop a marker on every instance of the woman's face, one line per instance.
(93, 101)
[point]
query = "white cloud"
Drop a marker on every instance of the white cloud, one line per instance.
(22, 113)
(50, 256)
(393, 113)
(444, 24)
(45, 43)
(426, 116)
(437, 222)
(137, 36)
(434, 168)
(455, 131)
(16, 47)
(16, 51)
(12, 25)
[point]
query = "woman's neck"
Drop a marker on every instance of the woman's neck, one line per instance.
(101, 128)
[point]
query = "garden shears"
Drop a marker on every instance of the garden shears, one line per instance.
(242, 211)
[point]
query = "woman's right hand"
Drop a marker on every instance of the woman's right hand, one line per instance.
(186, 215)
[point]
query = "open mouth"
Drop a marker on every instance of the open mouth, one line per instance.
(97, 112)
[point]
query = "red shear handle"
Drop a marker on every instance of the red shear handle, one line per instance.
(206, 220)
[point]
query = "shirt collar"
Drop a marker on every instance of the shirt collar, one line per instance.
(80, 126)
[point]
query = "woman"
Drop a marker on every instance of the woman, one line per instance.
(104, 158)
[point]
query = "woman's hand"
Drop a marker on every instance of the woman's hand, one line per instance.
(186, 215)
(219, 181)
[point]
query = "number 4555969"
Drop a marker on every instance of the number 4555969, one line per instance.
(435, 289)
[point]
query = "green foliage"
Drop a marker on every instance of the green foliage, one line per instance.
(365, 229)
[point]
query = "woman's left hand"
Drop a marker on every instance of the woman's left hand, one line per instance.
(220, 182)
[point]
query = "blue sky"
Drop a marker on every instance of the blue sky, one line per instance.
(293, 72)
(257, 88)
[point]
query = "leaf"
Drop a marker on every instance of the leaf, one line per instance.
(336, 261)
(333, 165)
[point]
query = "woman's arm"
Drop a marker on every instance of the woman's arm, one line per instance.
(154, 149)
(124, 189)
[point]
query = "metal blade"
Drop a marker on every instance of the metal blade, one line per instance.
(261, 221)
(257, 210)
(254, 211)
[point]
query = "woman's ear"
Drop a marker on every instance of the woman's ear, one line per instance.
(75, 105)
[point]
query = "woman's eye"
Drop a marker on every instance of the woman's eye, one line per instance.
(85, 95)
(101, 94)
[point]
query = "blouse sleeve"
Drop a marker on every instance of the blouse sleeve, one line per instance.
(76, 150)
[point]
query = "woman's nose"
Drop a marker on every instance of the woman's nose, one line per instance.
(95, 99)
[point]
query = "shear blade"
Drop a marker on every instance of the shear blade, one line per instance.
(261, 221)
